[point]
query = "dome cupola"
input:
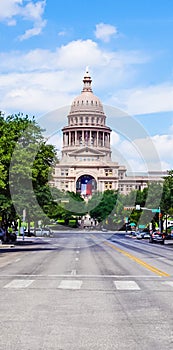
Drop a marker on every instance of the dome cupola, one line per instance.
(87, 101)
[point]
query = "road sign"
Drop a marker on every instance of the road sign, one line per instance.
(141, 226)
(129, 208)
(155, 210)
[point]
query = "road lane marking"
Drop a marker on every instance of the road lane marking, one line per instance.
(138, 261)
(18, 284)
(169, 283)
(73, 273)
(82, 276)
(77, 251)
(70, 284)
(126, 285)
(17, 259)
(77, 259)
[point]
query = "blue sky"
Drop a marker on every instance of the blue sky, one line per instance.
(46, 45)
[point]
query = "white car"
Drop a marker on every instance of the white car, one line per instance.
(42, 232)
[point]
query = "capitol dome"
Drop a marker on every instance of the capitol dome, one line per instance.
(87, 101)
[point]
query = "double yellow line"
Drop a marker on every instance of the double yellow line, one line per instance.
(138, 261)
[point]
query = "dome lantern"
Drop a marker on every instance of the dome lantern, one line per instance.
(87, 81)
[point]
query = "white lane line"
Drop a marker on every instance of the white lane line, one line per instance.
(73, 273)
(76, 259)
(84, 276)
(70, 284)
(19, 284)
(169, 283)
(77, 251)
(17, 259)
(126, 285)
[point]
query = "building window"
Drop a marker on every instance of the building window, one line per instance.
(121, 176)
(108, 185)
(64, 172)
(86, 120)
(121, 188)
(108, 172)
(92, 120)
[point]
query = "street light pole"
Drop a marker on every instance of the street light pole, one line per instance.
(159, 219)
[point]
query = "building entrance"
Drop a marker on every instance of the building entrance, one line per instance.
(86, 185)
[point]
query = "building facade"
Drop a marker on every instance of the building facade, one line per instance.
(86, 166)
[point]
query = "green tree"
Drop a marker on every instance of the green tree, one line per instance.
(25, 162)
(103, 210)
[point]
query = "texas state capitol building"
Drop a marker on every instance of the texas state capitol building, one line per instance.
(86, 166)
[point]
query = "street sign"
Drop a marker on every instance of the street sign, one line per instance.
(129, 208)
(141, 226)
(155, 210)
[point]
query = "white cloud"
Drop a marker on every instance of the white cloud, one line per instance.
(53, 78)
(105, 31)
(164, 144)
(145, 100)
(62, 33)
(33, 31)
(11, 10)
(115, 138)
(150, 153)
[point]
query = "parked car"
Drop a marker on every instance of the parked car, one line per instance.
(157, 236)
(2, 234)
(139, 235)
(42, 232)
(11, 236)
(146, 235)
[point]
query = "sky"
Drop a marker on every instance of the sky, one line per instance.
(45, 46)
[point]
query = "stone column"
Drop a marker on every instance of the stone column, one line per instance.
(68, 138)
(83, 137)
(97, 143)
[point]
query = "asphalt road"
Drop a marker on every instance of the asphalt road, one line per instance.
(86, 291)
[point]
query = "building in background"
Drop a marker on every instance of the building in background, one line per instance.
(86, 165)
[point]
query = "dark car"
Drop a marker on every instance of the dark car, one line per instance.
(2, 234)
(10, 237)
(157, 236)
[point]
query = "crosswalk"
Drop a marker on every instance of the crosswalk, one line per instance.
(88, 284)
